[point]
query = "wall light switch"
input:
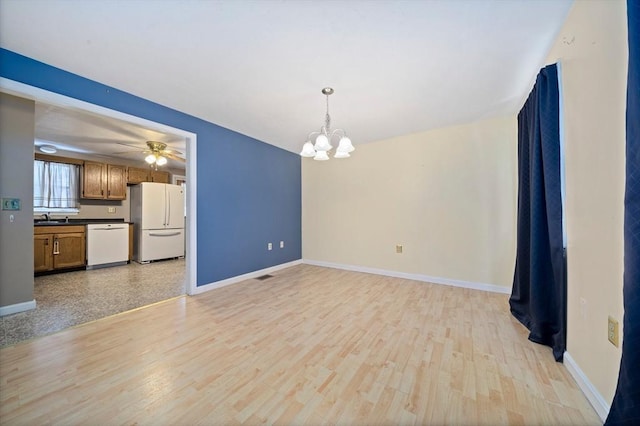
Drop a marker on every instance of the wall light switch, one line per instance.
(11, 204)
(281, 244)
(399, 248)
(269, 246)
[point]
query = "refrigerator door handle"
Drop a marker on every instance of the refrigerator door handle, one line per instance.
(166, 209)
(172, 234)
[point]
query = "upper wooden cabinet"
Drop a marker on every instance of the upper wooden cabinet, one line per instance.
(104, 181)
(94, 175)
(136, 175)
(162, 177)
(116, 182)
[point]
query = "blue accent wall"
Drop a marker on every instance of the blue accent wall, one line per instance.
(249, 192)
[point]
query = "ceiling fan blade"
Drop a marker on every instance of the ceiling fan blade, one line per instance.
(140, 147)
(174, 157)
(130, 152)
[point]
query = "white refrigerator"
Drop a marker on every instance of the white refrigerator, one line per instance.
(157, 213)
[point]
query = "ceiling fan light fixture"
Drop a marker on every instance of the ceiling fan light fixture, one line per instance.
(161, 161)
(150, 159)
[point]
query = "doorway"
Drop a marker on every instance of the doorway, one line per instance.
(190, 263)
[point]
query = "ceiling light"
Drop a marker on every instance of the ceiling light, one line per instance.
(48, 149)
(156, 154)
(319, 150)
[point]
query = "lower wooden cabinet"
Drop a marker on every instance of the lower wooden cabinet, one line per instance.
(58, 247)
(42, 248)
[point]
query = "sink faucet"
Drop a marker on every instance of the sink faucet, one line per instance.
(47, 216)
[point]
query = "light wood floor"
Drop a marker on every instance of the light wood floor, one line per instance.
(309, 346)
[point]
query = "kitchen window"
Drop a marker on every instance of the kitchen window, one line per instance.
(55, 187)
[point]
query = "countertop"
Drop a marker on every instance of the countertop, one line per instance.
(62, 222)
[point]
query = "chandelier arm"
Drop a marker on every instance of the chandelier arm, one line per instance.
(312, 134)
(335, 132)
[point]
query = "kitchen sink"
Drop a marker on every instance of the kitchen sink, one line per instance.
(50, 222)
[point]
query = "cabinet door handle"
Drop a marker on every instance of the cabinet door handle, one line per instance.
(56, 247)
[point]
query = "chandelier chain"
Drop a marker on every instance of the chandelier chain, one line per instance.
(327, 119)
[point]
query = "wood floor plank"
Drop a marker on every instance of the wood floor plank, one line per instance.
(309, 346)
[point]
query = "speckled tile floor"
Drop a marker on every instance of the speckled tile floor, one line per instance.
(68, 299)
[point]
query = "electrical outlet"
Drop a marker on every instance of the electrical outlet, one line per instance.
(398, 248)
(281, 244)
(111, 209)
(613, 332)
(269, 246)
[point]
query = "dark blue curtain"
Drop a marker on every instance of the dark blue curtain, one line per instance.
(538, 296)
(625, 409)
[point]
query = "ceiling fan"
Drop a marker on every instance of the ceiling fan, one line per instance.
(157, 154)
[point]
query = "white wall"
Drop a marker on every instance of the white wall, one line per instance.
(447, 195)
(592, 51)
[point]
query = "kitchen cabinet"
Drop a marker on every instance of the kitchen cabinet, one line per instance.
(137, 175)
(58, 247)
(160, 177)
(104, 181)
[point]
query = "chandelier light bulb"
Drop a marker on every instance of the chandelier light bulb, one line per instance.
(346, 142)
(322, 143)
(150, 159)
(321, 156)
(307, 150)
(161, 161)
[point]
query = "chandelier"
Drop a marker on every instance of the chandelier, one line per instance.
(319, 150)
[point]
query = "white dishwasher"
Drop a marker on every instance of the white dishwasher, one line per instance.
(107, 244)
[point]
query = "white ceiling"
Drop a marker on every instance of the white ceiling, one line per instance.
(74, 130)
(257, 67)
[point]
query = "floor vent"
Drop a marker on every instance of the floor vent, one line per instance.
(264, 277)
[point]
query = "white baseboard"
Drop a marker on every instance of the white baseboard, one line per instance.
(239, 278)
(18, 307)
(416, 277)
(597, 401)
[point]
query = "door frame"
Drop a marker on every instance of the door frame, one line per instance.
(15, 88)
